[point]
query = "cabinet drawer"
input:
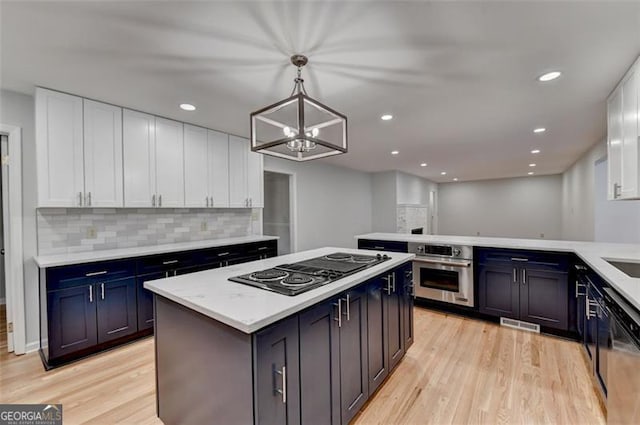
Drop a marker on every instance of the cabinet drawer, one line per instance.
(391, 246)
(83, 274)
(550, 261)
(261, 248)
(164, 262)
(220, 254)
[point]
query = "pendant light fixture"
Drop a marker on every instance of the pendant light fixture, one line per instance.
(298, 128)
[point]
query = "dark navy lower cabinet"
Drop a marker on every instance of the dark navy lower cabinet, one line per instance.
(395, 315)
(320, 364)
(391, 246)
(72, 320)
(277, 377)
(145, 300)
(116, 309)
(406, 274)
(377, 333)
(524, 285)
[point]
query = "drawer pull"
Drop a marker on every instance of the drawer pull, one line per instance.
(169, 262)
(524, 260)
(96, 273)
(262, 248)
(222, 254)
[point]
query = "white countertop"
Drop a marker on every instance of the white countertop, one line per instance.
(45, 261)
(248, 308)
(594, 254)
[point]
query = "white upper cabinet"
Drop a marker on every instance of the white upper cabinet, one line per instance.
(255, 175)
(169, 163)
(238, 196)
(196, 167)
(102, 155)
(59, 149)
(219, 168)
(623, 116)
(138, 136)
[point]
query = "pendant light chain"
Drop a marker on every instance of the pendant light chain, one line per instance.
(298, 86)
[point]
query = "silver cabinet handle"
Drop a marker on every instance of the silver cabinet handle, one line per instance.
(96, 273)
(578, 286)
(153, 200)
(207, 201)
(222, 254)
(102, 290)
(523, 260)
(388, 286)
(347, 302)
(282, 391)
(616, 190)
(588, 312)
(393, 278)
(169, 262)
(262, 248)
(159, 200)
(379, 247)
(524, 276)
(89, 199)
(80, 198)
(90, 293)
(212, 202)
(515, 275)
(339, 319)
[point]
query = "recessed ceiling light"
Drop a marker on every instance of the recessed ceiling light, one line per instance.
(539, 130)
(535, 151)
(549, 76)
(394, 152)
(444, 173)
(187, 107)
(530, 173)
(386, 117)
(424, 164)
(532, 165)
(455, 179)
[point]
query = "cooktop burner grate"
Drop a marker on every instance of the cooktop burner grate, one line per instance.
(271, 274)
(296, 279)
(339, 256)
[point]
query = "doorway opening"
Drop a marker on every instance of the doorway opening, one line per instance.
(279, 210)
(4, 346)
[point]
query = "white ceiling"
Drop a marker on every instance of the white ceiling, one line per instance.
(459, 77)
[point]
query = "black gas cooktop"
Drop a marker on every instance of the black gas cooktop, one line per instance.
(296, 278)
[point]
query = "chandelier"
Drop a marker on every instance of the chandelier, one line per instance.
(298, 128)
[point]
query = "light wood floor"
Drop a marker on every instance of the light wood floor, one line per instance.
(459, 371)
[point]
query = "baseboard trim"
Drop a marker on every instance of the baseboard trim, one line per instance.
(3, 301)
(32, 346)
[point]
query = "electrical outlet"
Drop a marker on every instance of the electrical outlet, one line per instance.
(255, 215)
(477, 233)
(541, 235)
(92, 233)
(203, 226)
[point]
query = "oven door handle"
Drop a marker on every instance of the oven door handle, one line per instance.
(444, 263)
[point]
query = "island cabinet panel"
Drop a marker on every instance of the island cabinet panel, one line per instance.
(498, 291)
(320, 364)
(377, 333)
(407, 305)
(544, 298)
(204, 368)
(354, 380)
(277, 379)
(395, 314)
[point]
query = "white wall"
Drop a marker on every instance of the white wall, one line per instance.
(412, 189)
(518, 207)
(276, 214)
(383, 198)
(18, 109)
(333, 203)
(578, 195)
(614, 221)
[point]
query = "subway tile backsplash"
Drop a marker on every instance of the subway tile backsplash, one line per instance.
(68, 230)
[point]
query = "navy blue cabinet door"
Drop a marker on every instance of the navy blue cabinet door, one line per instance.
(544, 297)
(395, 317)
(353, 353)
(72, 320)
(499, 291)
(320, 365)
(145, 300)
(407, 306)
(277, 380)
(377, 333)
(116, 303)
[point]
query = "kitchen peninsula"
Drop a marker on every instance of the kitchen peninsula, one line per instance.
(232, 353)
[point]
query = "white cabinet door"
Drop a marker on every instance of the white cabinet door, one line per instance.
(219, 168)
(138, 138)
(238, 196)
(255, 179)
(59, 145)
(614, 144)
(169, 163)
(196, 167)
(103, 179)
(629, 178)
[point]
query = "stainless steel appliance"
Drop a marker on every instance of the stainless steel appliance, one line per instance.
(443, 273)
(296, 278)
(623, 399)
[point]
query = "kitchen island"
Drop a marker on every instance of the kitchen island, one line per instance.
(235, 354)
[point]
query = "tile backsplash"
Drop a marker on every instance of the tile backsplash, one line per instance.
(68, 230)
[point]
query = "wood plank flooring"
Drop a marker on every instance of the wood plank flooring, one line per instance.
(459, 371)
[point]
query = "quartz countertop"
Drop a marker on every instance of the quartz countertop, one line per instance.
(250, 309)
(45, 261)
(593, 254)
